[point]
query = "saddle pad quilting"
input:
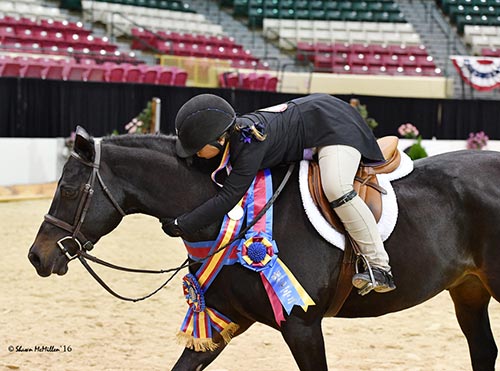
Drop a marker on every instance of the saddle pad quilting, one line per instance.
(389, 203)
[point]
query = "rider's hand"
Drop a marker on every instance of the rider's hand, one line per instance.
(171, 228)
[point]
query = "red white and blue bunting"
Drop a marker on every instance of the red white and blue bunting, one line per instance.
(482, 73)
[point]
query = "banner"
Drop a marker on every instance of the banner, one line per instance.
(482, 73)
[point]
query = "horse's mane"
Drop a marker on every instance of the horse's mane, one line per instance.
(164, 144)
(156, 142)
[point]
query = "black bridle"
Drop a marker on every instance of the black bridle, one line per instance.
(81, 244)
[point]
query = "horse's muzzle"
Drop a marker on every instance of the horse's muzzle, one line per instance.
(45, 266)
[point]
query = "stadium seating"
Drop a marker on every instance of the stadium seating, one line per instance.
(371, 11)
(471, 12)
(368, 58)
(175, 5)
(248, 81)
(154, 19)
(88, 70)
(482, 37)
(290, 32)
(48, 36)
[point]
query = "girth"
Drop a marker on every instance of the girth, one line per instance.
(365, 183)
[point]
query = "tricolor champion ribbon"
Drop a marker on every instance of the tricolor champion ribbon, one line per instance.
(260, 253)
(196, 329)
(257, 252)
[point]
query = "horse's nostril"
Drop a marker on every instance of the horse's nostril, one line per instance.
(34, 259)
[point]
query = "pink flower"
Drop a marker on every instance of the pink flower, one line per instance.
(129, 126)
(477, 140)
(133, 129)
(408, 131)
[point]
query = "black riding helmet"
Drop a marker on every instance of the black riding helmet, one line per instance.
(201, 121)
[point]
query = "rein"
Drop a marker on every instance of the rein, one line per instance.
(79, 249)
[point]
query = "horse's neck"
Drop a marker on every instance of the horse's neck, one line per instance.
(156, 184)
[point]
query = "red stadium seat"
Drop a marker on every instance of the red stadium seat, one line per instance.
(305, 51)
(271, 83)
(115, 73)
(323, 47)
(425, 61)
(34, 70)
(417, 50)
(133, 74)
(180, 78)
(357, 59)
(373, 60)
(95, 73)
(149, 74)
(10, 68)
(390, 60)
(342, 48)
(248, 81)
(260, 82)
(323, 61)
(408, 61)
(398, 49)
(490, 52)
(75, 72)
(165, 76)
(229, 80)
(54, 72)
(360, 70)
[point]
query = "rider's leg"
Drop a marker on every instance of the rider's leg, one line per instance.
(338, 164)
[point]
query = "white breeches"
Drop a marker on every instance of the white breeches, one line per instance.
(338, 165)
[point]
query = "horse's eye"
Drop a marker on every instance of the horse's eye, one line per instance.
(68, 192)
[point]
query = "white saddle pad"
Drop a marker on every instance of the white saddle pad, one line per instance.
(389, 203)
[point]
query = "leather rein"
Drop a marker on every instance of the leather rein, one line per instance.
(81, 245)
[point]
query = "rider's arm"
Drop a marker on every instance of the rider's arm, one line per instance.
(244, 169)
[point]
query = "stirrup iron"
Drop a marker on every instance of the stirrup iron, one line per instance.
(369, 285)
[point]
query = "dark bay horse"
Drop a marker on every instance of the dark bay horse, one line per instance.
(447, 238)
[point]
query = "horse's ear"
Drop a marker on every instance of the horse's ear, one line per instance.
(84, 144)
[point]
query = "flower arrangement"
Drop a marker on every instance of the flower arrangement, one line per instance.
(69, 144)
(477, 140)
(361, 108)
(142, 123)
(416, 150)
(408, 131)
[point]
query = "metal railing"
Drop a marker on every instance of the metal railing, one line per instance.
(452, 41)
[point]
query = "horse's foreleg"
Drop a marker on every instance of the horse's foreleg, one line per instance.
(306, 343)
(196, 361)
(471, 307)
(191, 360)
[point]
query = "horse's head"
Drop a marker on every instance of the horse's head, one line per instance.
(137, 173)
(80, 196)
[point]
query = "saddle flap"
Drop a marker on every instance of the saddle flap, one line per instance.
(389, 147)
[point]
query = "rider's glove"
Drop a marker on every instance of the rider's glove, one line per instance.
(171, 228)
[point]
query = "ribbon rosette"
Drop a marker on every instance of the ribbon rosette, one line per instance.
(193, 293)
(259, 253)
(197, 327)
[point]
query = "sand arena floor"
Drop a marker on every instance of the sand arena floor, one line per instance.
(104, 333)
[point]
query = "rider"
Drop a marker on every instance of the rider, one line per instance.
(206, 124)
